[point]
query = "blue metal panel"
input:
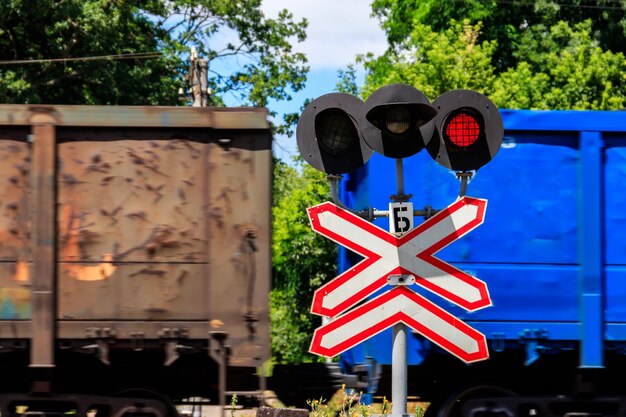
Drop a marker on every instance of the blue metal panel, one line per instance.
(515, 330)
(615, 290)
(615, 332)
(615, 199)
(566, 121)
(521, 293)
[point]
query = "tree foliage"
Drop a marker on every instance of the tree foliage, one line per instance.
(257, 65)
(302, 260)
(504, 22)
(565, 70)
(535, 55)
(435, 61)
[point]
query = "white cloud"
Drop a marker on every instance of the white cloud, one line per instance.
(338, 30)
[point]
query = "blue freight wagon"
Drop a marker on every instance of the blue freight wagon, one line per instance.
(552, 251)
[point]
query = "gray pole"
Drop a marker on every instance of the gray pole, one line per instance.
(399, 370)
(399, 178)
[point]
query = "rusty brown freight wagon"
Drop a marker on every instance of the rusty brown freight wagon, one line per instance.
(134, 256)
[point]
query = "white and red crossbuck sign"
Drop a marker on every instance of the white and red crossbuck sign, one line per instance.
(385, 254)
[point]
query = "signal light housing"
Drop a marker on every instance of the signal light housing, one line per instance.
(468, 130)
(395, 120)
(328, 134)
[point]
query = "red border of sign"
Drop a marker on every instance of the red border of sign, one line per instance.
(400, 317)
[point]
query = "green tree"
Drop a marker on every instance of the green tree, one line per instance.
(561, 65)
(565, 70)
(302, 260)
(435, 62)
(504, 22)
(66, 30)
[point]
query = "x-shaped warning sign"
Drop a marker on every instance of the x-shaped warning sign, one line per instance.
(385, 254)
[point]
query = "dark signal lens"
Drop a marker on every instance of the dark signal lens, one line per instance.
(335, 131)
(462, 129)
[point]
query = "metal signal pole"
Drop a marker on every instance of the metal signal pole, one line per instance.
(399, 366)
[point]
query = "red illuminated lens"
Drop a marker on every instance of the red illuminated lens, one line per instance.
(462, 129)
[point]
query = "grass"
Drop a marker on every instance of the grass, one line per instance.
(233, 405)
(347, 403)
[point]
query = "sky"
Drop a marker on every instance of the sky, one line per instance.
(338, 31)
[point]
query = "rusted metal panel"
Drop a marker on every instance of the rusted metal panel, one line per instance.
(262, 218)
(14, 329)
(131, 201)
(239, 243)
(15, 296)
(10, 330)
(126, 208)
(15, 225)
(139, 116)
(136, 291)
(14, 196)
(177, 229)
(119, 330)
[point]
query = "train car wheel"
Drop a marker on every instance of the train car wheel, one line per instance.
(150, 395)
(453, 406)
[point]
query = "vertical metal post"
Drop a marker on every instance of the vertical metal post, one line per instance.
(399, 369)
(43, 303)
(590, 250)
(219, 352)
(399, 177)
(222, 376)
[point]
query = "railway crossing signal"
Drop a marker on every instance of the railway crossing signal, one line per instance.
(409, 255)
(337, 133)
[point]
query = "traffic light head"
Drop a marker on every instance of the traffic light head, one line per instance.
(468, 130)
(398, 115)
(328, 134)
